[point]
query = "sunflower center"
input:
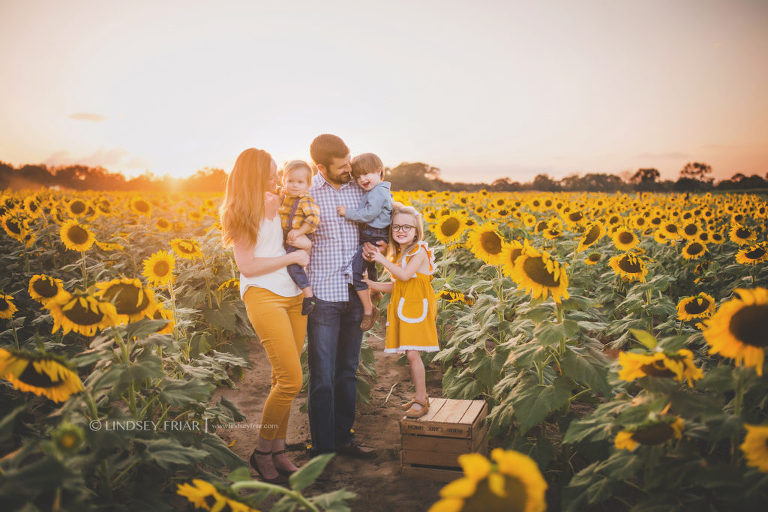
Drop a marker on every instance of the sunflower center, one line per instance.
(127, 298)
(696, 307)
(516, 499)
(141, 206)
(77, 207)
(655, 434)
(514, 254)
(695, 248)
(657, 369)
(45, 288)
(82, 314)
(630, 265)
(743, 233)
(748, 325)
(450, 226)
(756, 253)
(594, 257)
(536, 270)
(187, 247)
(161, 268)
(671, 228)
(33, 378)
(490, 242)
(575, 216)
(690, 229)
(14, 226)
(77, 234)
(592, 235)
(4, 305)
(626, 237)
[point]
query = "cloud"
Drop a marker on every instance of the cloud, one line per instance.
(108, 158)
(664, 156)
(87, 116)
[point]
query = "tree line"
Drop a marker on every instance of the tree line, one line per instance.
(695, 176)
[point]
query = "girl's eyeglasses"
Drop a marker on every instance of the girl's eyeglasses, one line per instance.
(402, 227)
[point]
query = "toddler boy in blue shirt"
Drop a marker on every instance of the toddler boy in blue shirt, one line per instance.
(375, 215)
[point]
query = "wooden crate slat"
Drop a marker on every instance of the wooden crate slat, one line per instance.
(437, 474)
(433, 443)
(435, 406)
(451, 412)
(472, 412)
(432, 458)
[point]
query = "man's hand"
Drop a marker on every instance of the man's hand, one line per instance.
(342, 210)
(369, 250)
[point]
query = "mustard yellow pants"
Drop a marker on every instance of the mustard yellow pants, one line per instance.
(281, 328)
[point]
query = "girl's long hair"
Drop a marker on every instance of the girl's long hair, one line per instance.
(393, 249)
(243, 208)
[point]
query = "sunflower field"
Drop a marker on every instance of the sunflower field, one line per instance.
(120, 314)
(618, 339)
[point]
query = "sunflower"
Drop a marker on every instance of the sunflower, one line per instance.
(678, 365)
(141, 206)
(43, 288)
(165, 314)
(76, 237)
(162, 224)
(195, 215)
(186, 248)
(80, 313)
(752, 255)
(717, 238)
(529, 220)
(230, 283)
(670, 231)
(7, 307)
(741, 235)
(511, 252)
(593, 259)
(39, 374)
(739, 330)
(204, 495)
(104, 207)
(653, 433)
(513, 483)
(14, 226)
(690, 230)
(540, 275)
(629, 266)
(452, 296)
(158, 268)
(448, 228)
(131, 300)
(693, 308)
(487, 243)
(592, 234)
(77, 207)
(109, 247)
(624, 239)
(694, 250)
(755, 447)
(68, 438)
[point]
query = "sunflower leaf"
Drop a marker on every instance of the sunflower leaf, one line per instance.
(309, 472)
(647, 339)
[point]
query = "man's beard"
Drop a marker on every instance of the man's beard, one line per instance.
(341, 178)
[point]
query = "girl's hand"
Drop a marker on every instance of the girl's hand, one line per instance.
(373, 285)
(378, 257)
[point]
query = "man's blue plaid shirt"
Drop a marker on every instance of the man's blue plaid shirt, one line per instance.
(335, 241)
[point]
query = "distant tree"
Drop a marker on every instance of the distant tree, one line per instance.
(544, 183)
(504, 185)
(697, 171)
(415, 176)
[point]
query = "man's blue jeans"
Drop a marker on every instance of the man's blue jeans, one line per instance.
(333, 353)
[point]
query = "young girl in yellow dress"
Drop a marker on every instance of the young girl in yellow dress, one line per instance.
(412, 310)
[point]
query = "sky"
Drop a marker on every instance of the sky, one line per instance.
(480, 89)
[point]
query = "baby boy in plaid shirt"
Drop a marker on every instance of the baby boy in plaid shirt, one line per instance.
(300, 215)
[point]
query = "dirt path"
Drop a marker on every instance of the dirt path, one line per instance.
(377, 483)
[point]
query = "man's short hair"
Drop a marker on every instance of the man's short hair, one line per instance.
(366, 163)
(325, 148)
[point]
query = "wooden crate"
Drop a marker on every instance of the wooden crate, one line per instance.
(431, 445)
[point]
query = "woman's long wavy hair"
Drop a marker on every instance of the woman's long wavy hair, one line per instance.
(243, 208)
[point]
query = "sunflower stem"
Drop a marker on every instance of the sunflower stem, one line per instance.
(15, 336)
(295, 495)
(83, 269)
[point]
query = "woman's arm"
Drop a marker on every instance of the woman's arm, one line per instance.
(380, 287)
(398, 272)
(251, 266)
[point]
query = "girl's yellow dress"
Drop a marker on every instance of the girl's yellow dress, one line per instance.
(412, 309)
